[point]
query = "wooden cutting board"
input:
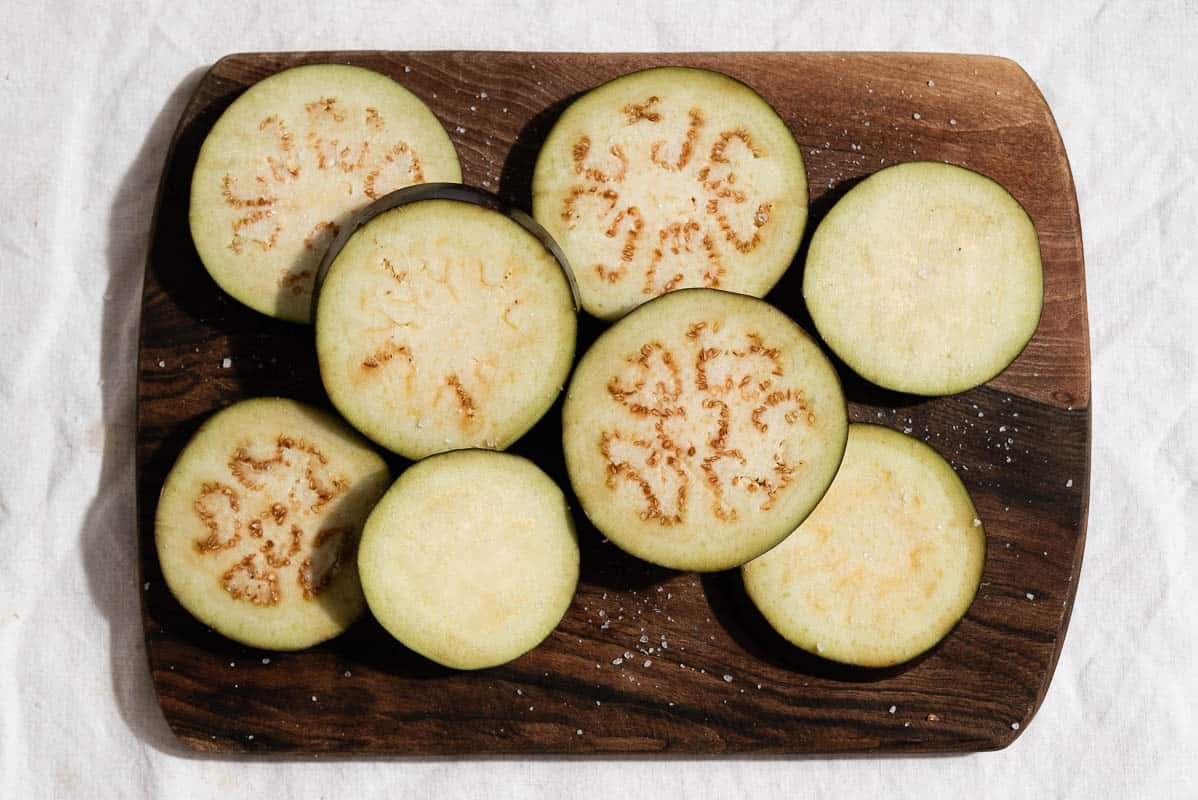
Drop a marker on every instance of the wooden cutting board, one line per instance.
(648, 659)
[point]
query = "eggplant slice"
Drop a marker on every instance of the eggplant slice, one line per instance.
(444, 324)
(925, 278)
(471, 558)
(887, 563)
(258, 523)
(702, 428)
(671, 178)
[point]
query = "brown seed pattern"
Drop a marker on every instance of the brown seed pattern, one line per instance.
(276, 496)
(664, 391)
(329, 143)
(700, 236)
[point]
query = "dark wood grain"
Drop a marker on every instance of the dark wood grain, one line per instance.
(716, 679)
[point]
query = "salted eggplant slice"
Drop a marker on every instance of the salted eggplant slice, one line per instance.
(671, 178)
(887, 563)
(258, 523)
(925, 278)
(701, 429)
(444, 324)
(471, 558)
(288, 164)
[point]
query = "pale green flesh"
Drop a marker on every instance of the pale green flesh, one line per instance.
(887, 563)
(442, 325)
(287, 165)
(470, 559)
(925, 278)
(667, 179)
(258, 522)
(701, 429)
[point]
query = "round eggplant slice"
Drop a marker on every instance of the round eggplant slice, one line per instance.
(470, 559)
(925, 278)
(701, 429)
(887, 563)
(671, 178)
(258, 523)
(287, 165)
(442, 325)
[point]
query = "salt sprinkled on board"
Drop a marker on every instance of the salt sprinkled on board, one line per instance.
(266, 661)
(460, 129)
(727, 679)
(977, 523)
(615, 662)
(162, 363)
(892, 709)
(916, 115)
(952, 122)
(1069, 483)
(1014, 726)
(1030, 596)
(226, 363)
(407, 69)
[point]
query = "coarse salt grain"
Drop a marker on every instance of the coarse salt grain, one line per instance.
(226, 363)
(893, 709)
(1030, 596)
(1069, 483)
(615, 662)
(727, 679)
(1014, 726)
(977, 523)
(460, 129)
(916, 115)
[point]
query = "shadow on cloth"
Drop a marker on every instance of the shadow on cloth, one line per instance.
(110, 540)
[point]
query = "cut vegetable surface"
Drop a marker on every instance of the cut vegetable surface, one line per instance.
(258, 523)
(290, 161)
(443, 325)
(470, 559)
(887, 563)
(925, 278)
(671, 178)
(701, 429)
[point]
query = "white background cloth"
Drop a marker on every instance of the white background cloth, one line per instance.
(89, 97)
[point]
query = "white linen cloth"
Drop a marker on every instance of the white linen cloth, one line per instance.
(89, 96)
